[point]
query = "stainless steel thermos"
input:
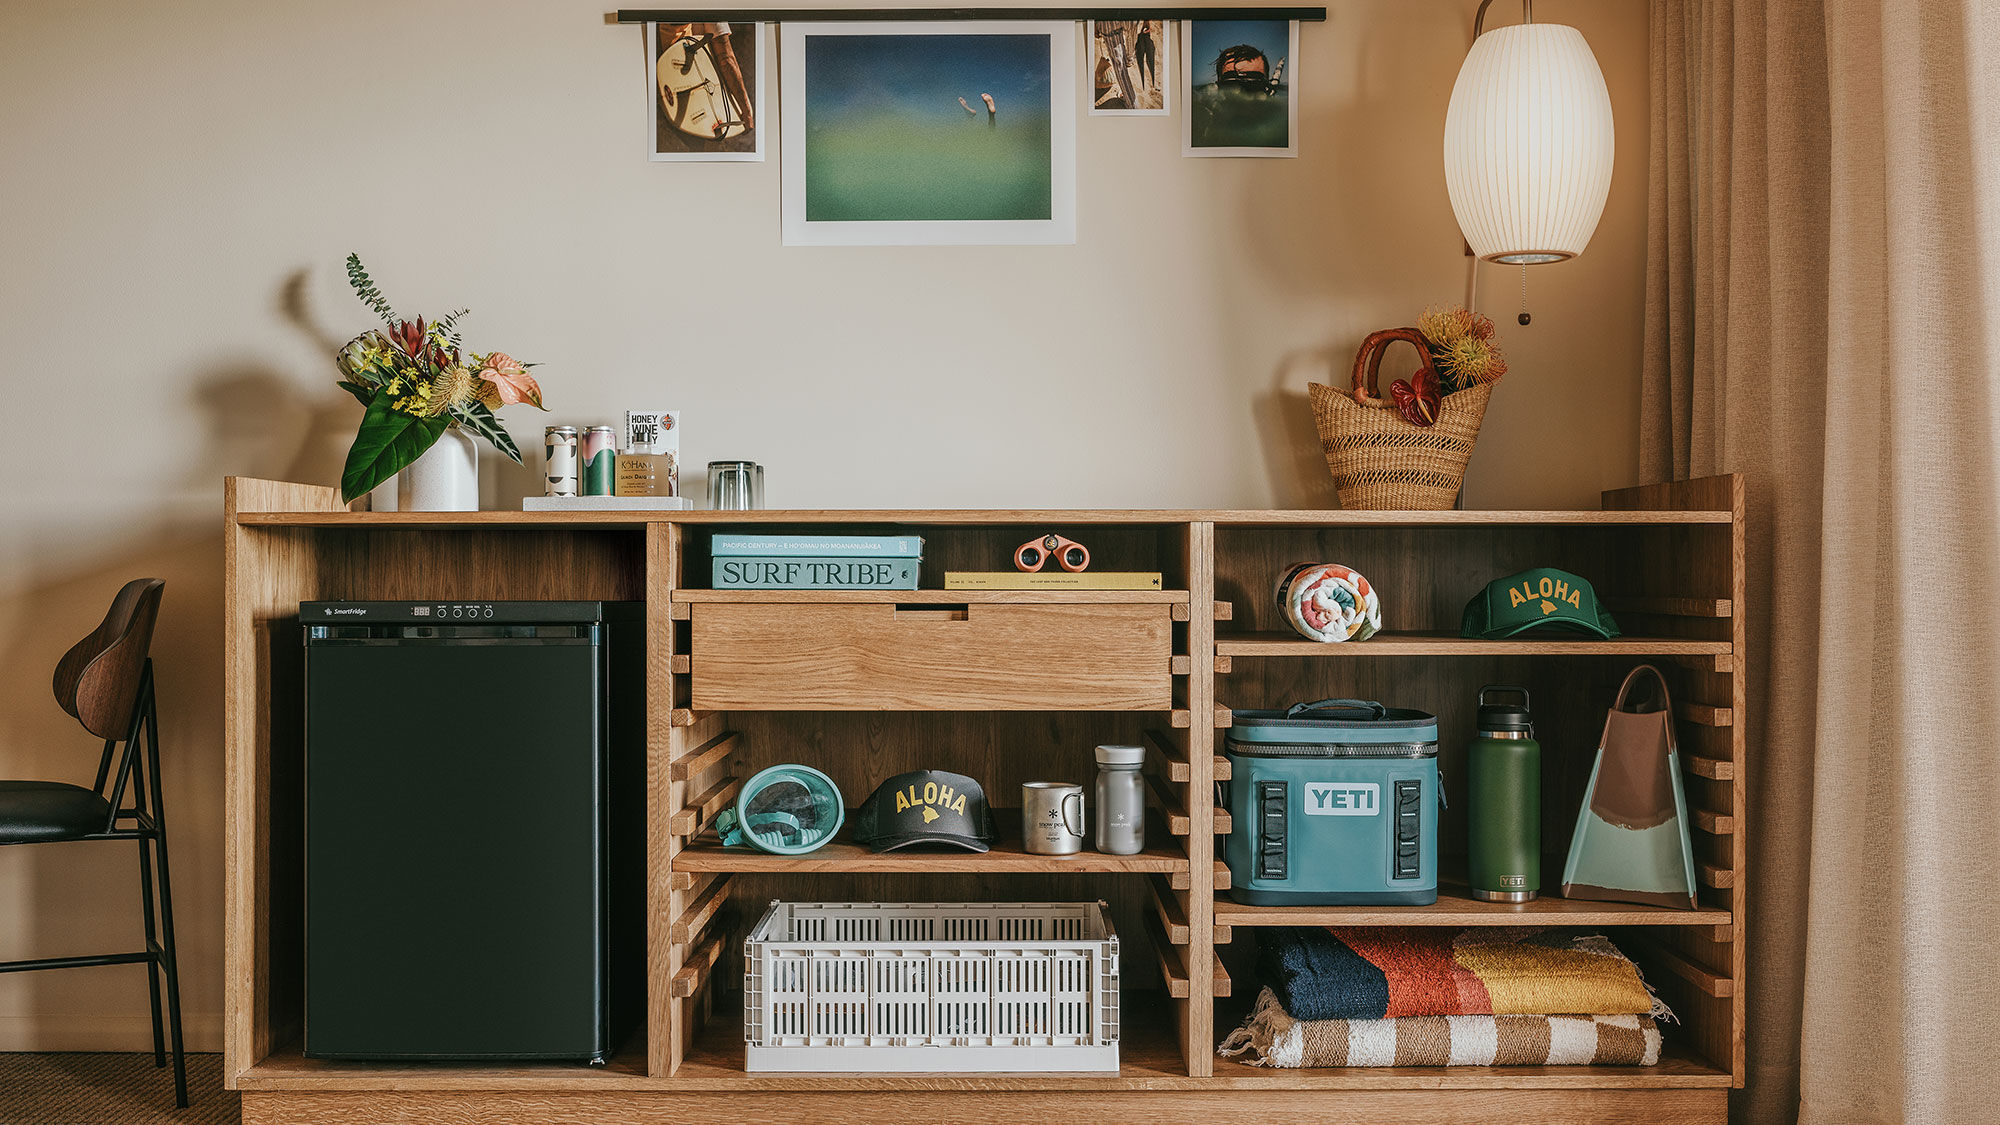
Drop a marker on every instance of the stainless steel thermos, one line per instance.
(1504, 785)
(1121, 800)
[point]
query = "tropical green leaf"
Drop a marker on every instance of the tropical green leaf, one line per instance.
(359, 390)
(365, 288)
(387, 441)
(477, 418)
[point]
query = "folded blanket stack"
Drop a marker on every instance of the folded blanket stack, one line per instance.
(1419, 996)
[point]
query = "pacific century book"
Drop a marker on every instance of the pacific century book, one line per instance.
(818, 546)
(1046, 580)
(734, 573)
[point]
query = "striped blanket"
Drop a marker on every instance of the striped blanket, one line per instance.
(1366, 973)
(1272, 1038)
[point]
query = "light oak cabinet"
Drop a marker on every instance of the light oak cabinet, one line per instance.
(1011, 686)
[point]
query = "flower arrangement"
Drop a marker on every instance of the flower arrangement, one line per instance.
(415, 384)
(1459, 346)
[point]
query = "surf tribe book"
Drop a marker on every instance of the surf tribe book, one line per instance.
(730, 572)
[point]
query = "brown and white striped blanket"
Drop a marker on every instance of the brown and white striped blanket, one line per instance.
(1269, 1037)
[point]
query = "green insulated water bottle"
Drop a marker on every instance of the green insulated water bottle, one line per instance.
(1504, 781)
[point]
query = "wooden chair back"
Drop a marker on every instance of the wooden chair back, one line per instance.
(97, 680)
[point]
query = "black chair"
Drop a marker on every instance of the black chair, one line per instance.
(106, 682)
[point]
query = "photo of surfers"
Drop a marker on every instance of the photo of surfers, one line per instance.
(1128, 67)
(708, 91)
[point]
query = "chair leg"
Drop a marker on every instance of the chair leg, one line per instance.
(171, 963)
(173, 976)
(146, 903)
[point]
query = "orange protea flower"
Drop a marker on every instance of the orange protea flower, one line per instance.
(1462, 346)
(1469, 360)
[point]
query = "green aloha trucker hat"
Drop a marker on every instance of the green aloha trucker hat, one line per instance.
(1535, 599)
(925, 807)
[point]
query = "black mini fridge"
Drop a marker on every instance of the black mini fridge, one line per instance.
(474, 839)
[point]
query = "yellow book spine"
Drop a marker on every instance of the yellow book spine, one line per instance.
(1062, 580)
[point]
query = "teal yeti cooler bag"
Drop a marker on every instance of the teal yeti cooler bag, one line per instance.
(1335, 803)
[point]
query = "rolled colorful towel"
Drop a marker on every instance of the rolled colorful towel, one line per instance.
(1269, 1037)
(1365, 973)
(1329, 602)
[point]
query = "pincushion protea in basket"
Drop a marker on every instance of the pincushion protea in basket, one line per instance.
(1408, 451)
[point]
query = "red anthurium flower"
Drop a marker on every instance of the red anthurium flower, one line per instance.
(1417, 398)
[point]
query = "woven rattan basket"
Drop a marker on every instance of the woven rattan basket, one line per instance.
(1379, 460)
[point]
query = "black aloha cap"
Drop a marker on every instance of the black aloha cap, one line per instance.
(925, 807)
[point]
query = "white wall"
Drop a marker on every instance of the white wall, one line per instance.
(182, 181)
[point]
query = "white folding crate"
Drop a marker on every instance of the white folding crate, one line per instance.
(931, 986)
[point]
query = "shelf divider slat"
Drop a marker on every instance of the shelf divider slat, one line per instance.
(704, 758)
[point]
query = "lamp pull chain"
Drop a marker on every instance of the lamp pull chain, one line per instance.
(1524, 318)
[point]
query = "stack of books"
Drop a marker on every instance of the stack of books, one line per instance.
(815, 562)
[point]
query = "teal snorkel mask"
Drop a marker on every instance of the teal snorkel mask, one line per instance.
(784, 810)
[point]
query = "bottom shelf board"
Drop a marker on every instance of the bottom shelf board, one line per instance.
(1150, 1059)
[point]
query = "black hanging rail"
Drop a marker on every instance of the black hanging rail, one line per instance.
(830, 15)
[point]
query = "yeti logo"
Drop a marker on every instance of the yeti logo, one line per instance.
(1329, 798)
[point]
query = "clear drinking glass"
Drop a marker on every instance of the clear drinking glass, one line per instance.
(735, 486)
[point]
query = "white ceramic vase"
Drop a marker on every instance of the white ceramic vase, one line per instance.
(445, 478)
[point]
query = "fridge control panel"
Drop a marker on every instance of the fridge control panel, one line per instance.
(453, 611)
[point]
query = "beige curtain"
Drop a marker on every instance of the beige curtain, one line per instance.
(1823, 315)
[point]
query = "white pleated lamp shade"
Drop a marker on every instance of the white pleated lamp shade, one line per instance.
(1527, 144)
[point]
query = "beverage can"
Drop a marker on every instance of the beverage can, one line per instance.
(559, 475)
(599, 454)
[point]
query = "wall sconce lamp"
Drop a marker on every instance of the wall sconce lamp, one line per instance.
(1528, 143)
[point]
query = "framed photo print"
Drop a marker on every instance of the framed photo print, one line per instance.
(960, 133)
(707, 88)
(1242, 86)
(1130, 72)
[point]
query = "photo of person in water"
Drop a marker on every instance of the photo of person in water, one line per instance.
(929, 132)
(1126, 60)
(1242, 78)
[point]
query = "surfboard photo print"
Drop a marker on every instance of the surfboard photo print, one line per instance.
(707, 86)
(960, 133)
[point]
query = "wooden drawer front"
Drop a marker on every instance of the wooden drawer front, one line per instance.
(982, 657)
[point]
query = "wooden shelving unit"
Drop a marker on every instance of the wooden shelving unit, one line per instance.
(1162, 667)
